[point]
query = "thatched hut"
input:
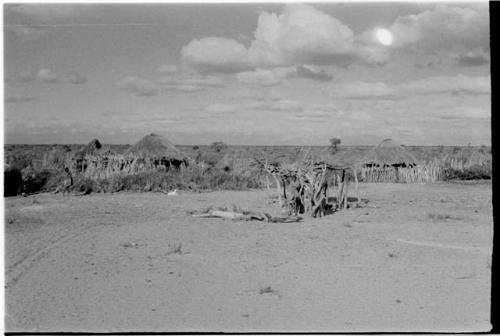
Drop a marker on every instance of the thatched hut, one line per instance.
(389, 154)
(79, 162)
(384, 162)
(158, 151)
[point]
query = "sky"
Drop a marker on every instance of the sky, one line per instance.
(248, 73)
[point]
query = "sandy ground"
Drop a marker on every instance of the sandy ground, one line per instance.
(414, 258)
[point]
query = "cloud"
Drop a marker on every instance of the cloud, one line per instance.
(463, 112)
(17, 99)
(26, 33)
(216, 54)
(167, 69)
(260, 77)
(48, 12)
(459, 84)
(278, 75)
(73, 78)
(48, 76)
(472, 59)
(138, 86)
(221, 108)
(300, 34)
(363, 90)
(455, 85)
(190, 82)
(443, 28)
(22, 77)
(312, 72)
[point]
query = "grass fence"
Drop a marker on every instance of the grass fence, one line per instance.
(429, 173)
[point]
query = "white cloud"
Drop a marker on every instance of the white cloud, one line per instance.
(49, 12)
(26, 33)
(300, 34)
(260, 77)
(22, 77)
(363, 90)
(456, 85)
(443, 28)
(313, 72)
(221, 108)
(168, 69)
(190, 82)
(473, 58)
(303, 33)
(463, 112)
(47, 75)
(459, 84)
(216, 54)
(73, 78)
(139, 86)
(17, 98)
(278, 75)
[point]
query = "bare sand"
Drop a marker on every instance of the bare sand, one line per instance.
(414, 258)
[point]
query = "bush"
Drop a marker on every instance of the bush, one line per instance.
(475, 172)
(12, 181)
(36, 181)
(218, 146)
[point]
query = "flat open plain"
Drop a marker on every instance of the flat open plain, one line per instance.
(413, 258)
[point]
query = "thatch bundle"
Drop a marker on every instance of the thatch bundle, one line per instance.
(388, 154)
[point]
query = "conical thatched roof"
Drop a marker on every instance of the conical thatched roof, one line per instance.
(92, 146)
(389, 153)
(155, 146)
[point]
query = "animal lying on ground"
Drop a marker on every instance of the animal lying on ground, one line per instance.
(222, 212)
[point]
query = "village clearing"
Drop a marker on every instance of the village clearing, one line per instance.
(414, 257)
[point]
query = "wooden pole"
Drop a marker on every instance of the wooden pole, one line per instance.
(339, 193)
(345, 195)
(278, 186)
(356, 187)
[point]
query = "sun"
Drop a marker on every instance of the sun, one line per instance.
(384, 36)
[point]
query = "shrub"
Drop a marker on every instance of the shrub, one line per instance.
(12, 181)
(218, 146)
(36, 181)
(474, 172)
